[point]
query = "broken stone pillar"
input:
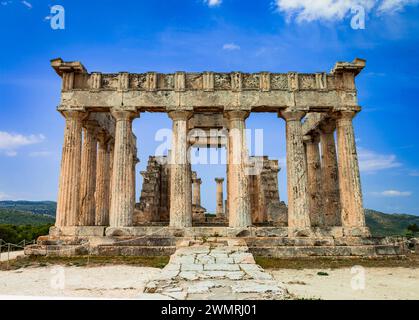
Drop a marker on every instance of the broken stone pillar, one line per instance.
(88, 176)
(122, 199)
(330, 176)
(180, 173)
(314, 179)
(237, 175)
(102, 180)
(219, 198)
(298, 207)
(68, 205)
(196, 199)
(352, 212)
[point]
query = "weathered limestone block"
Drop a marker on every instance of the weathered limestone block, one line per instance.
(298, 206)
(69, 189)
(330, 176)
(122, 202)
(352, 212)
(238, 182)
(314, 180)
(180, 174)
(88, 175)
(102, 194)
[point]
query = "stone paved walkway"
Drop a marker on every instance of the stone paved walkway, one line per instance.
(215, 269)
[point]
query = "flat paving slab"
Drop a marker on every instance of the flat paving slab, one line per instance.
(215, 269)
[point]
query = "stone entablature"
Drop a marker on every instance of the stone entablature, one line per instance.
(205, 91)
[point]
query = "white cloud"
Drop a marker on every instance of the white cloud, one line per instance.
(231, 47)
(9, 142)
(28, 4)
(393, 193)
(394, 5)
(213, 3)
(330, 10)
(370, 161)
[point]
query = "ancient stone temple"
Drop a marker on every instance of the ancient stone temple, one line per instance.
(97, 211)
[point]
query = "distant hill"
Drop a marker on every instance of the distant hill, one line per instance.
(35, 207)
(14, 217)
(383, 224)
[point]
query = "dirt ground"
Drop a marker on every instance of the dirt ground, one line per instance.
(116, 278)
(351, 284)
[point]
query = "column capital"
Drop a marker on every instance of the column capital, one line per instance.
(291, 115)
(343, 116)
(236, 115)
(219, 180)
(197, 180)
(328, 125)
(75, 114)
(91, 126)
(124, 115)
(180, 115)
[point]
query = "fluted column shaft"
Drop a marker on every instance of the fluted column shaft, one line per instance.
(196, 199)
(69, 185)
(88, 176)
(330, 175)
(219, 197)
(352, 212)
(298, 205)
(314, 180)
(237, 175)
(180, 173)
(102, 181)
(122, 199)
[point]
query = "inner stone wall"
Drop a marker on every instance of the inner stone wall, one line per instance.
(265, 204)
(266, 207)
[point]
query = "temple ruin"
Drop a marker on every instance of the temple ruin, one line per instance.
(97, 210)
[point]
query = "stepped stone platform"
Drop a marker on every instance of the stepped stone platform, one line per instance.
(261, 241)
(215, 269)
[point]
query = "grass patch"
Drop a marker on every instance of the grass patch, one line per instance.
(84, 261)
(410, 261)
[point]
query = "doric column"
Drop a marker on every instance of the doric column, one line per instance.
(88, 175)
(238, 179)
(219, 197)
(298, 207)
(102, 181)
(135, 160)
(180, 174)
(111, 158)
(330, 178)
(196, 199)
(122, 200)
(314, 179)
(69, 188)
(352, 212)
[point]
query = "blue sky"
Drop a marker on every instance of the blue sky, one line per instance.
(227, 35)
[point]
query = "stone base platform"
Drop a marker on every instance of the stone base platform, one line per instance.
(261, 241)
